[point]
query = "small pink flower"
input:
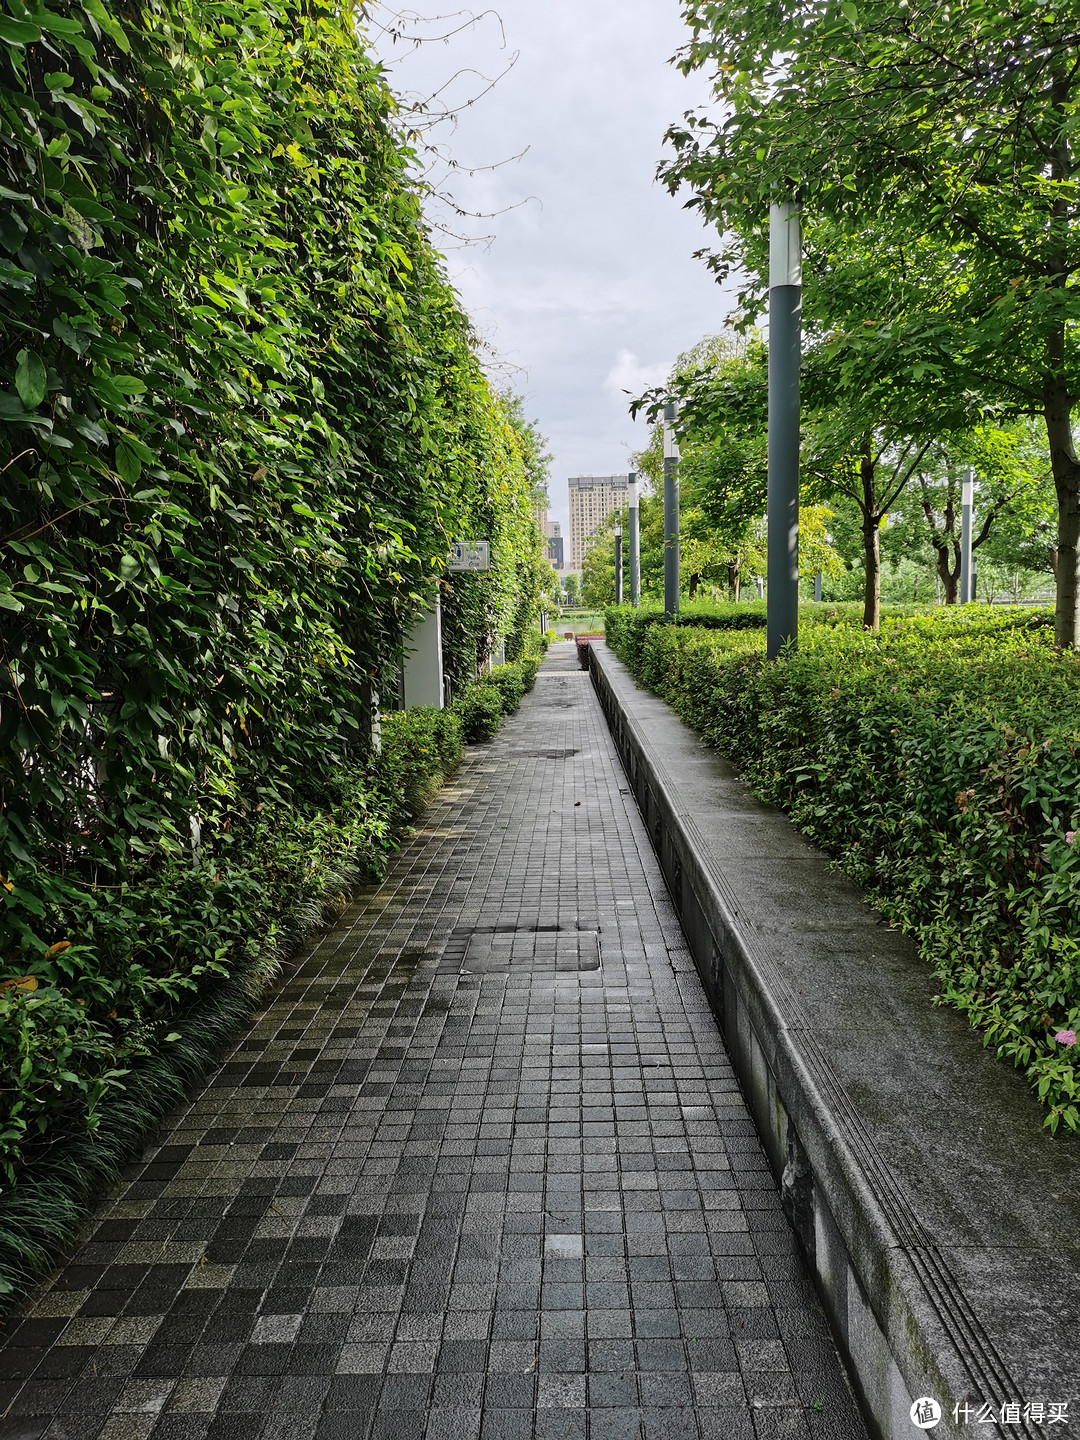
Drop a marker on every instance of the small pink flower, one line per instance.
(1070, 836)
(1066, 1037)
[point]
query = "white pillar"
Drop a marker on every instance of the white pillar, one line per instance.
(671, 511)
(967, 502)
(635, 541)
(423, 668)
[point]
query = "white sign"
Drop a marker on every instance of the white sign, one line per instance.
(470, 555)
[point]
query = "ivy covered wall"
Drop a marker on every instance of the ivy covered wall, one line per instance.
(241, 419)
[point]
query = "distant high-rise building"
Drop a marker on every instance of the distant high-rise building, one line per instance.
(554, 536)
(593, 498)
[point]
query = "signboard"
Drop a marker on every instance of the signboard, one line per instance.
(470, 555)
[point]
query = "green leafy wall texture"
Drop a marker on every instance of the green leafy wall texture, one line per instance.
(939, 762)
(241, 420)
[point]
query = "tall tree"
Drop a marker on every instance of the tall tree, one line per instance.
(901, 120)
(721, 388)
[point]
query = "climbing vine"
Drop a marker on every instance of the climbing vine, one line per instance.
(241, 419)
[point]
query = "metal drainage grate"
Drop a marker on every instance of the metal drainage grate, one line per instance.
(521, 949)
(546, 754)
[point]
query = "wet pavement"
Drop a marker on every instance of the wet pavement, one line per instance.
(480, 1168)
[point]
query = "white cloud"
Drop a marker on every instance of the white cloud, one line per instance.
(598, 269)
(628, 377)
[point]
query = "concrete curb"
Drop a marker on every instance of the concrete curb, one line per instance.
(942, 1222)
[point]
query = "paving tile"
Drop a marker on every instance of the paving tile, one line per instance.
(479, 1169)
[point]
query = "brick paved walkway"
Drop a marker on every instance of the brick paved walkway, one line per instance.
(480, 1168)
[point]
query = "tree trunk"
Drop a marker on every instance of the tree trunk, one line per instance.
(949, 577)
(734, 571)
(871, 522)
(695, 581)
(1057, 410)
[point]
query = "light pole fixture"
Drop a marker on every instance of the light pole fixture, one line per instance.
(635, 538)
(671, 511)
(618, 564)
(967, 506)
(785, 344)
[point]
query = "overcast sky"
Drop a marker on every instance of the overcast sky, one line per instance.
(589, 288)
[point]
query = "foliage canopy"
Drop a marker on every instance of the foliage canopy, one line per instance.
(904, 126)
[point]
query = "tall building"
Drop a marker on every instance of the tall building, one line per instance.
(554, 537)
(592, 499)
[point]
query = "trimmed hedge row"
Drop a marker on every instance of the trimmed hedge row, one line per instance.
(939, 762)
(626, 626)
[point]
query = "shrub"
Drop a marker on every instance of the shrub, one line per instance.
(481, 712)
(509, 682)
(420, 747)
(101, 1050)
(939, 762)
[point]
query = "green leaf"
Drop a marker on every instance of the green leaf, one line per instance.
(30, 378)
(8, 602)
(129, 385)
(108, 393)
(128, 464)
(88, 208)
(14, 278)
(129, 567)
(77, 340)
(18, 32)
(58, 24)
(849, 11)
(108, 24)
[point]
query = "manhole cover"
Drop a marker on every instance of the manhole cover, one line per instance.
(533, 950)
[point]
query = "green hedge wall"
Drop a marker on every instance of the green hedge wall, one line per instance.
(939, 762)
(241, 420)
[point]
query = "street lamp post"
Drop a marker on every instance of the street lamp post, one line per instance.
(618, 564)
(671, 511)
(635, 538)
(967, 505)
(785, 342)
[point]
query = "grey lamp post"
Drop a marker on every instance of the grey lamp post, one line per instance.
(635, 538)
(671, 511)
(785, 342)
(967, 505)
(618, 564)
